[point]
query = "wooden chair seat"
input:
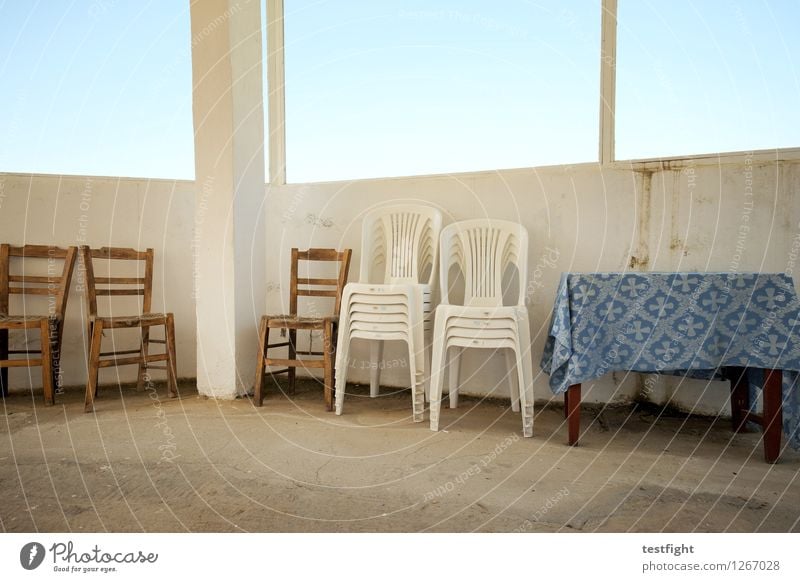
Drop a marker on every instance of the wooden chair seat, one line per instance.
(298, 322)
(304, 286)
(25, 321)
(143, 320)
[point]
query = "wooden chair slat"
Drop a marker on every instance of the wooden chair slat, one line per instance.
(312, 281)
(317, 293)
(33, 279)
(133, 360)
(117, 292)
(119, 254)
(38, 251)
(120, 353)
(319, 255)
(20, 363)
(294, 363)
(119, 280)
(31, 323)
(32, 291)
(280, 345)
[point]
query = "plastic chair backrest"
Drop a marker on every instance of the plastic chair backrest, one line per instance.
(483, 249)
(403, 238)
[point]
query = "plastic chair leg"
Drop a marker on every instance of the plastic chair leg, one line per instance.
(340, 368)
(417, 385)
(525, 375)
(511, 364)
(376, 362)
(427, 366)
(454, 375)
(437, 378)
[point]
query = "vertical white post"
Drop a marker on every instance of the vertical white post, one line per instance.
(276, 80)
(229, 241)
(608, 73)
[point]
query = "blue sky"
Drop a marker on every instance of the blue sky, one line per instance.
(388, 88)
(98, 87)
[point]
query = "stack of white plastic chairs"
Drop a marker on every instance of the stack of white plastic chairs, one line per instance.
(393, 299)
(483, 250)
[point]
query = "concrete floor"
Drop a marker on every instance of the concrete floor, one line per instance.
(199, 465)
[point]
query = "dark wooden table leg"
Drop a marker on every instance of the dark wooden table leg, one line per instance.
(572, 409)
(740, 398)
(773, 414)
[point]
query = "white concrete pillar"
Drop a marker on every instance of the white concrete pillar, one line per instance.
(229, 244)
(276, 79)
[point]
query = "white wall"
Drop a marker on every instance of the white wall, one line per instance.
(138, 213)
(684, 218)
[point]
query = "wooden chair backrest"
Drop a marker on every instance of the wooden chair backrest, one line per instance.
(55, 285)
(316, 287)
(117, 286)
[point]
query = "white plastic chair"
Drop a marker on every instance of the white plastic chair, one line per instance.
(483, 250)
(393, 299)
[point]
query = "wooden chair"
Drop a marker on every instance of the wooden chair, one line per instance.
(54, 285)
(305, 287)
(126, 286)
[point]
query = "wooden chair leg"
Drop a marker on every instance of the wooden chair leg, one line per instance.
(329, 353)
(172, 361)
(292, 373)
(94, 366)
(263, 338)
(47, 364)
(143, 351)
(56, 335)
(4, 356)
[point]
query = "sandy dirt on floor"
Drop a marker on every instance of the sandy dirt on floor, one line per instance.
(143, 462)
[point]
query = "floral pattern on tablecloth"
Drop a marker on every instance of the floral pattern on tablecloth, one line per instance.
(691, 324)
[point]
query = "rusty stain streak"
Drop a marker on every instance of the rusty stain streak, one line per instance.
(675, 214)
(641, 259)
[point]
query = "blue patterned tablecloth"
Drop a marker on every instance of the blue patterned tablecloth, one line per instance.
(690, 324)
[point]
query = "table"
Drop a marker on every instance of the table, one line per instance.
(740, 327)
